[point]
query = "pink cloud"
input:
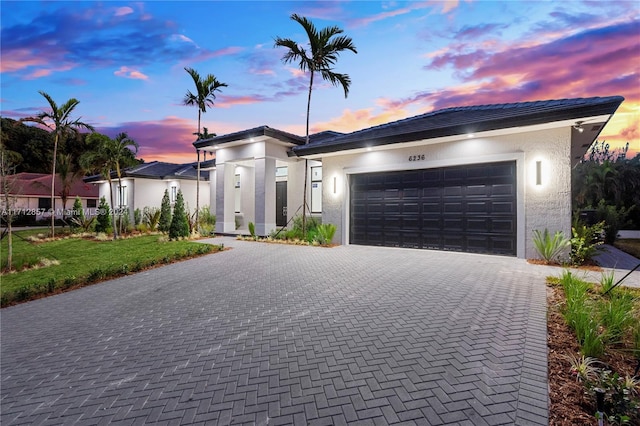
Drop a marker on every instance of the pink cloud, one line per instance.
(127, 72)
(226, 101)
(170, 139)
(122, 11)
(17, 59)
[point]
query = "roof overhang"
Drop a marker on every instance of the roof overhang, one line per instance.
(257, 134)
(591, 114)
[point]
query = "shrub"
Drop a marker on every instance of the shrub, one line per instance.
(137, 217)
(614, 219)
(103, 219)
(151, 217)
(252, 230)
(584, 241)
(550, 248)
(325, 233)
(179, 223)
(207, 221)
(616, 315)
(78, 213)
(165, 213)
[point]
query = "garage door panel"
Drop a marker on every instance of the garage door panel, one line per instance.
(463, 208)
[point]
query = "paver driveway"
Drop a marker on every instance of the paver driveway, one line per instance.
(275, 334)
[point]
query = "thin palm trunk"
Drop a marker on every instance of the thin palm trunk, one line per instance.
(53, 185)
(306, 164)
(197, 225)
(113, 210)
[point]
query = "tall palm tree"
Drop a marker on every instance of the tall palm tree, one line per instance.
(68, 172)
(324, 47)
(107, 155)
(60, 122)
(203, 97)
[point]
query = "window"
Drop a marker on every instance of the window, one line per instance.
(44, 204)
(237, 194)
(173, 194)
(282, 172)
(92, 204)
(316, 189)
(122, 196)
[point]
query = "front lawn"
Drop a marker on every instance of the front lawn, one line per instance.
(73, 262)
(629, 245)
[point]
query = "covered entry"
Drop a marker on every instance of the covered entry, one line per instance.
(471, 208)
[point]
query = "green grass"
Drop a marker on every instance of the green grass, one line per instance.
(84, 261)
(629, 245)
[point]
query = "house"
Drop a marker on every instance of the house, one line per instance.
(31, 196)
(144, 185)
(474, 179)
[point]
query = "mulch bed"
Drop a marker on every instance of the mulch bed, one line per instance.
(568, 403)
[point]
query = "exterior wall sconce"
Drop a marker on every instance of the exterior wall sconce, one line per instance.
(578, 126)
(335, 185)
(538, 173)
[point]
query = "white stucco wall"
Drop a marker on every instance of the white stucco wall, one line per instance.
(546, 206)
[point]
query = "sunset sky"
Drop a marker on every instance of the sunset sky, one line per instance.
(124, 62)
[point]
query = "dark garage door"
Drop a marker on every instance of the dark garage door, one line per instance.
(463, 208)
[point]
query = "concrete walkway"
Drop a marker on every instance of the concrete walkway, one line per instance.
(276, 334)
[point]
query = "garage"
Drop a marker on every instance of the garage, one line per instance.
(469, 208)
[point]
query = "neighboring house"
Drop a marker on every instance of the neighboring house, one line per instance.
(31, 195)
(474, 179)
(144, 185)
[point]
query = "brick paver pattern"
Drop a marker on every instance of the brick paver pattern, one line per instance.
(274, 334)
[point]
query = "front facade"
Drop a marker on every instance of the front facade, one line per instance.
(475, 179)
(144, 186)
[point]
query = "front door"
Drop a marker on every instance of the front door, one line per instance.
(281, 203)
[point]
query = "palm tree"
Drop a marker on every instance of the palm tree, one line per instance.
(60, 122)
(107, 155)
(324, 47)
(202, 98)
(68, 172)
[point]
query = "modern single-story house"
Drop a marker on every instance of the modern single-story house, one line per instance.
(31, 195)
(144, 185)
(473, 179)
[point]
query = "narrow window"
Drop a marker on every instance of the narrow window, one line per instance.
(174, 194)
(238, 194)
(92, 203)
(44, 204)
(316, 189)
(122, 196)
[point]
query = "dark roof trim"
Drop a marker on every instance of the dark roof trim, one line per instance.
(156, 170)
(463, 120)
(248, 134)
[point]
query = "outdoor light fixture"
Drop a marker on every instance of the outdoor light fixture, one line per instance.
(470, 135)
(335, 185)
(578, 126)
(538, 173)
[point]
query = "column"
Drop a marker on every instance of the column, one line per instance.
(265, 195)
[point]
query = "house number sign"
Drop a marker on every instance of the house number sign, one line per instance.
(416, 157)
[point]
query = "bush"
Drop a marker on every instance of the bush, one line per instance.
(165, 213)
(207, 221)
(584, 241)
(179, 222)
(325, 233)
(252, 230)
(614, 220)
(78, 213)
(137, 217)
(550, 248)
(103, 219)
(151, 217)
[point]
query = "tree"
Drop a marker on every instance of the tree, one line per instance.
(107, 155)
(103, 217)
(60, 122)
(78, 213)
(165, 213)
(325, 47)
(68, 172)
(202, 98)
(8, 187)
(179, 221)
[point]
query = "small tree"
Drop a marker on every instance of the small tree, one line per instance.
(179, 222)
(78, 213)
(165, 213)
(104, 216)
